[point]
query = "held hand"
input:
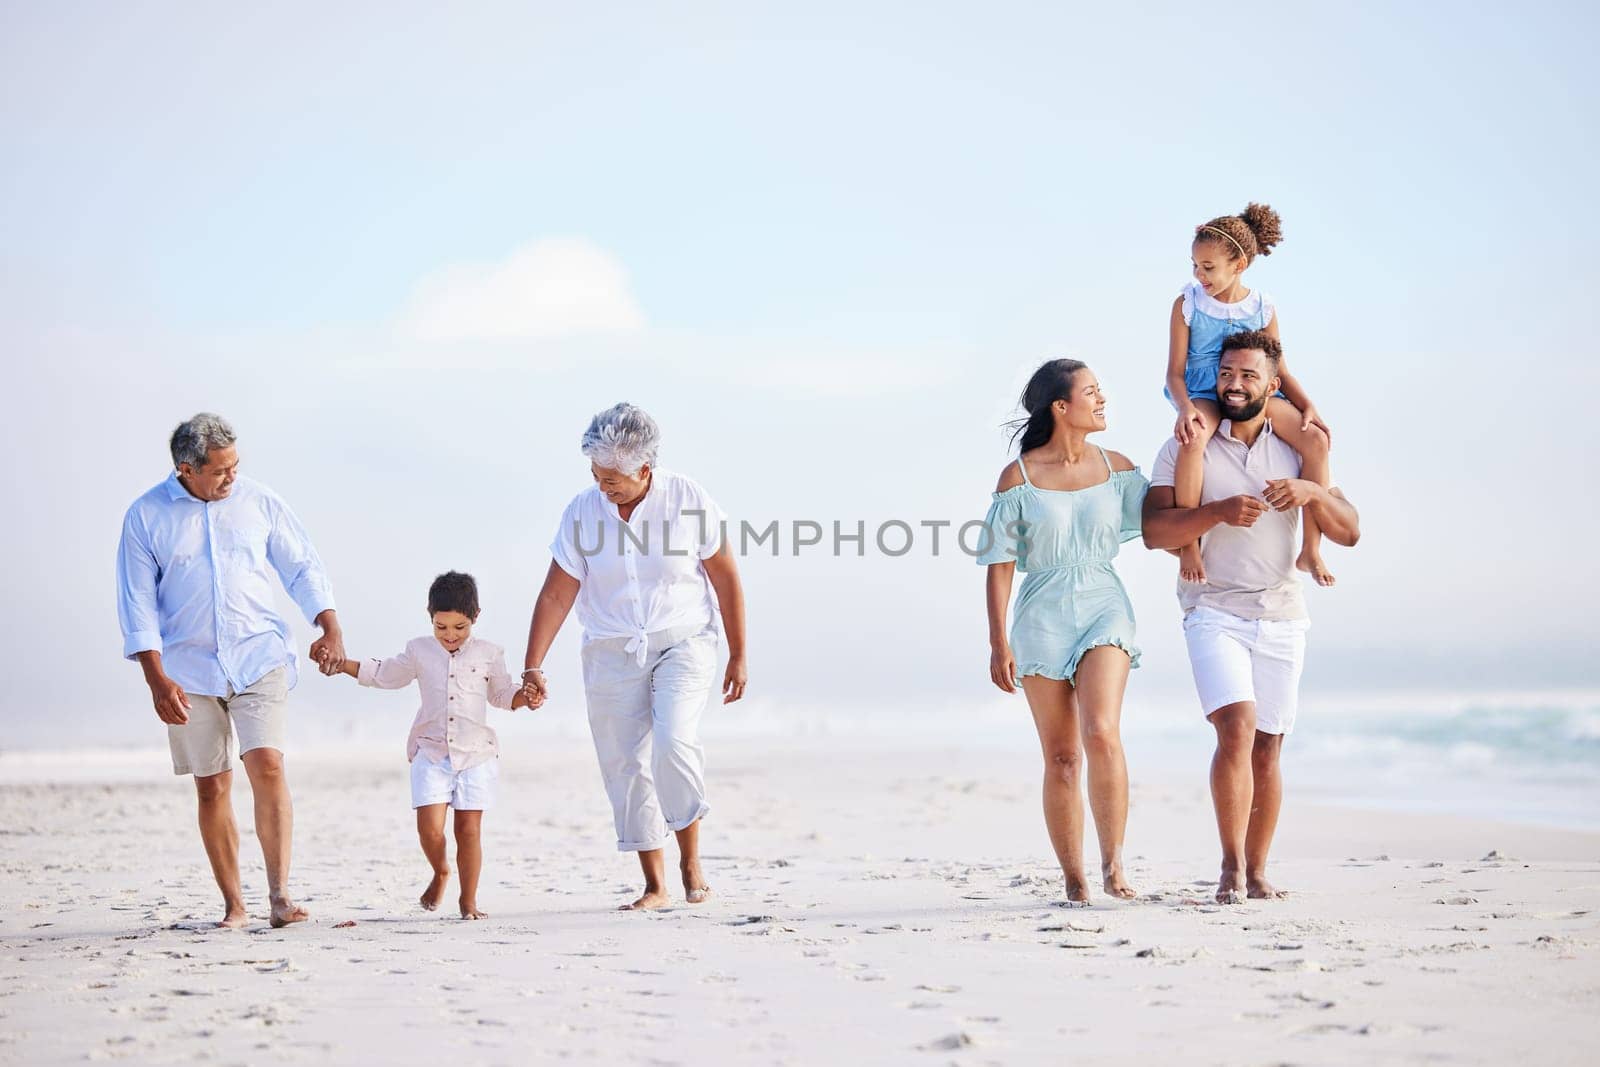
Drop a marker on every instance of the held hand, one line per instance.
(327, 652)
(527, 697)
(1003, 669)
(172, 703)
(1287, 493)
(1190, 423)
(733, 682)
(1240, 510)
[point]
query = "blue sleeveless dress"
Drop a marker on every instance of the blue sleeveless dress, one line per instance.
(1063, 541)
(1210, 322)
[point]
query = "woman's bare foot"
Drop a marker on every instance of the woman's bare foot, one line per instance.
(235, 918)
(433, 896)
(469, 910)
(650, 900)
(1116, 883)
(695, 890)
(286, 911)
(1230, 887)
(1259, 888)
(1310, 561)
(1190, 566)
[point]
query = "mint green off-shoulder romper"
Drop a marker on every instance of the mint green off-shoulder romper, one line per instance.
(1064, 540)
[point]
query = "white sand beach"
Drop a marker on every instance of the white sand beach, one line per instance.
(881, 905)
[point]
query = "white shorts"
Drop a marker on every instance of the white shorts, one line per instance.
(439, 783)
(1236, 660)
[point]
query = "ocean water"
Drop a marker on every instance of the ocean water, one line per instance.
(1525, 758)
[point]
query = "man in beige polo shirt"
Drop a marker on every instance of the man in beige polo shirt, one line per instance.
(1245, 625)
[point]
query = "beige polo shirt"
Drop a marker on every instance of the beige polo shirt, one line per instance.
(1250, 570)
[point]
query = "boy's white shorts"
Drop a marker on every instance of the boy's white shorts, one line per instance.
(436, 782)
(1258, 660)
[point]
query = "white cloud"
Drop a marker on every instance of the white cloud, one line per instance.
(558, 287)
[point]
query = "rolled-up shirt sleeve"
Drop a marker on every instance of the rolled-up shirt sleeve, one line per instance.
(396, 672)
(292, 555)
(1164, 470)
(138, 610)
(502, 688)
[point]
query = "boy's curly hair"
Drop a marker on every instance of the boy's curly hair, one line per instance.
(454, 591)
(1253, 232)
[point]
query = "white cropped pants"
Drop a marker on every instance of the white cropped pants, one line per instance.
(646, 726)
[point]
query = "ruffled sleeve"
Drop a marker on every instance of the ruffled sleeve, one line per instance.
(1188, 304)
(1133, 486)
(1004, 538)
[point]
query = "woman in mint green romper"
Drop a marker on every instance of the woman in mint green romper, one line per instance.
(1072, 642)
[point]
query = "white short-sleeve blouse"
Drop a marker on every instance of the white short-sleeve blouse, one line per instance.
(644, 575)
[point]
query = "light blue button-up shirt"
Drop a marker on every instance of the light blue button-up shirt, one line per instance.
(193, 584)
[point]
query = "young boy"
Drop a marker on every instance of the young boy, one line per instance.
(453, 752)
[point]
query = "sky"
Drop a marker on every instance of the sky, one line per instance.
(408, 251)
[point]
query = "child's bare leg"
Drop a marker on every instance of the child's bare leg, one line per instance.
(430, 831)
(1187, 481)
(469, 861)
(1312, 445)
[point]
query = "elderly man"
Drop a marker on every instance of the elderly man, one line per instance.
(195, 603)
(642, 555)
(1245, 625)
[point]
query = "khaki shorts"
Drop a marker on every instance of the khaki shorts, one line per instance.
(201, 746)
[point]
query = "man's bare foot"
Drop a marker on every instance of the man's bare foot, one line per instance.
(1230, 887)
(1116, 883)
(650, 900)
(1259, 888)
(235, 918)
(1190, 566)
(433, 896)
(1077, 890)
(1310, 561)
(286, 911)
(469, 910)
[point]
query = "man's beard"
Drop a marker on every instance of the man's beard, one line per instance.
(1244, 412)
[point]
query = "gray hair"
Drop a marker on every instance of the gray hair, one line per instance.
(623, 438)
(193, 440)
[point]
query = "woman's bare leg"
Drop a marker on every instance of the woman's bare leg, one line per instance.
(1312, 445)
(653, 863)
(1187, 481)
(1102, 679)
(1055, 715)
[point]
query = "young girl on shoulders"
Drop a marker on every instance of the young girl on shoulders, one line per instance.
(1211, 307)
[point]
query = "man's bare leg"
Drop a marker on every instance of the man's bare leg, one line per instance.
(1102, 679)
(1267, 776)
(430, 832)
(469, 860)
(1055, 716)
(274, 829)
(654, 864)
(220, 834)
(1231, 792)
(695, 890)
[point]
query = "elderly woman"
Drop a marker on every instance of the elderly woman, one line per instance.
(1059, 514)
(641, 553)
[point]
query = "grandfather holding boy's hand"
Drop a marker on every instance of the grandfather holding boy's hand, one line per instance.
(195, 601)
(642, 555)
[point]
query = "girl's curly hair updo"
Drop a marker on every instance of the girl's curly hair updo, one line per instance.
(1051, 382)
(1252, 232)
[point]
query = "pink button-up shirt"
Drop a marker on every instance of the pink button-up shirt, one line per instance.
(456, 689)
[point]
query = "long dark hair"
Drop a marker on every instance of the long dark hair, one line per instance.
(1051, 382)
